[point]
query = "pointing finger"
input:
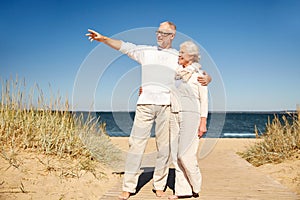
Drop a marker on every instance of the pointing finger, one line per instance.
(92, 31)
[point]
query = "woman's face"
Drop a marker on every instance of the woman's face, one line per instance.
(184, 59)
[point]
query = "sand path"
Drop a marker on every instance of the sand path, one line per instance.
(225, 175)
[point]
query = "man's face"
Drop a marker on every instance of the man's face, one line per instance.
(165, 35)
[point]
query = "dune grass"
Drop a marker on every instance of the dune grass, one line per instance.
(280, 141)
(28, 122)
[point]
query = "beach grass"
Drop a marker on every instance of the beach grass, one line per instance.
(280, 141)
(30, 123)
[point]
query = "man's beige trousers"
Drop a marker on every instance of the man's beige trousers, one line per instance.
(145, 117)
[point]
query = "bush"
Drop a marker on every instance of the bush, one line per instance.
(28, 122)
(280, 141)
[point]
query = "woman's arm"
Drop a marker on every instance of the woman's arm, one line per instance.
(203, 98)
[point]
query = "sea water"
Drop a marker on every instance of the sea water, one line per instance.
(220, 124)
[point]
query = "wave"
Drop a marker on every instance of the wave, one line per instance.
(239, 135)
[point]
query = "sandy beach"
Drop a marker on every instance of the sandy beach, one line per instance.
(39, 176)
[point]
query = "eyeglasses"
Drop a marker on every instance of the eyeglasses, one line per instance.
(164, 34)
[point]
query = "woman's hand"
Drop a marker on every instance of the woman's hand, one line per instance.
(202, 127)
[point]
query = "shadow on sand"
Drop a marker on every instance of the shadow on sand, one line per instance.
(147, 176)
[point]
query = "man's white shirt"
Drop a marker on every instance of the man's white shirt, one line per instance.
(158, 71)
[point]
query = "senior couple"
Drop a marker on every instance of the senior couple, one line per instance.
(179, 111)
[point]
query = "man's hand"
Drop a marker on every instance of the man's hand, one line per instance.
(113, 43)
(93, 35)
(205, 79)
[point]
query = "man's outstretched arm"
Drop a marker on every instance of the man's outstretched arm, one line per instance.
(113, 43)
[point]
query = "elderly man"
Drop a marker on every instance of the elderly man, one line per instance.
(153, 105)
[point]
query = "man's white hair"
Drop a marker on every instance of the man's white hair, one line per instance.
(191, 49)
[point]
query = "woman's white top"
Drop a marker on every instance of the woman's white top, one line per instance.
(188, 94)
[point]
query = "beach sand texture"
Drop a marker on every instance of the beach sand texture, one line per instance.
(225, 176)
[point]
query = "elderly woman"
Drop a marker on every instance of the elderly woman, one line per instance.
(188, 121)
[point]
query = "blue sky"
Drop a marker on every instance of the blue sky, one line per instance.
(254, 44)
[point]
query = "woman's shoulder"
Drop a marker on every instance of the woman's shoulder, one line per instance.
(194, 77)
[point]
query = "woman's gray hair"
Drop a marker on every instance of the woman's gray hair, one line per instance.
(191, 49)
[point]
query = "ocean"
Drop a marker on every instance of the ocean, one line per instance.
(220, 124)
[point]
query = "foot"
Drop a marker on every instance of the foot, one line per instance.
(195, 195)
(160, 193)
(124, 196)
(173, 197)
